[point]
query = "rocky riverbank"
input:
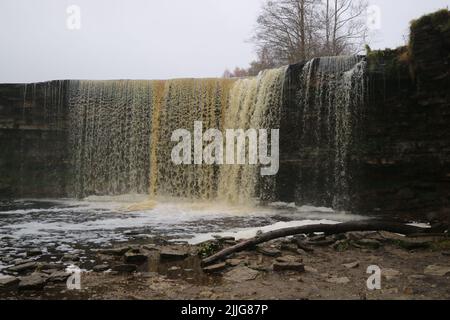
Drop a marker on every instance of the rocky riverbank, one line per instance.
(314, 267)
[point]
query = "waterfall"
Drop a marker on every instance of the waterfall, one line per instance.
(186, 101)
(254, 103)
(331, 95)
(110, 136)
(120, 133)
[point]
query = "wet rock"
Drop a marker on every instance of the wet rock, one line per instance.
(100, 268)
(338, 280)
(45, 267)
(22, 268)
(21, 261)
(446, 253)
(241, 274)
(8, 282)
(288, 266)
(390, 274)
(34, 253)
(59, 276)
(288, 259)
(125, 268)
(36, 281)
(351, 265)
(215, 268)
(270, 252)
(115, 251)
(133, 257)
(150, 247)
(435, 270)
(173, 254)
(70, 258)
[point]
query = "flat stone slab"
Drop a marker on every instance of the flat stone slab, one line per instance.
(59, 276)
(289, 259)
(115, 251)
(100, 268)
(270, 252)
(173, 254)
(241, 274)
(35, 281)
(30, 266)
(439, 271)
(7, 281)
(131, 257)
(215, 268)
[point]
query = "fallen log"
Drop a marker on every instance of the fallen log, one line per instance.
(357, 226)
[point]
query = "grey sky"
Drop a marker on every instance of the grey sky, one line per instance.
(149, 39)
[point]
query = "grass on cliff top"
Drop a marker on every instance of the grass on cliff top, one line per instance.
(439, 20)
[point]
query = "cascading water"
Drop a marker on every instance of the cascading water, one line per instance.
(111, 125)
(121, 133)
(255, 103)
(331, 95)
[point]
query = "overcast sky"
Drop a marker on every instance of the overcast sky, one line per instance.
(149, 39)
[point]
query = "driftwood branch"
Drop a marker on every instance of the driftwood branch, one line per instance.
(358, 226)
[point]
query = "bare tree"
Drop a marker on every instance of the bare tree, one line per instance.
(286, 29)
(345, 26)
(298, 30)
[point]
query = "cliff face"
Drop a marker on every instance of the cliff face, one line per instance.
(33, 140)
(405, 162)
(397, 158)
